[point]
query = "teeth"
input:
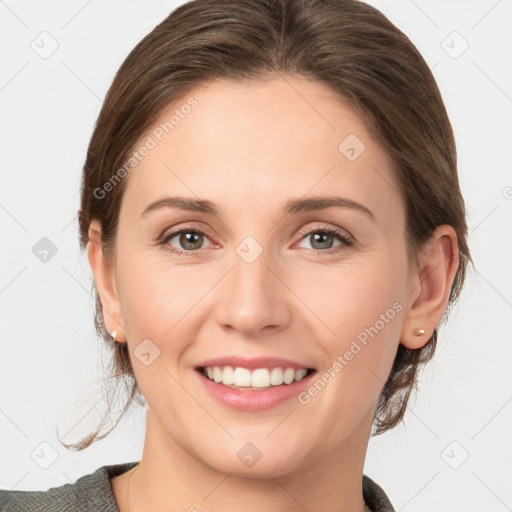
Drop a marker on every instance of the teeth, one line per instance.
(289, 375)
(242, 377)
(228, 375)
(259, 378)
(217, 374)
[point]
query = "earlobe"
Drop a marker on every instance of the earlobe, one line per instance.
(104, 279)
(430, 287)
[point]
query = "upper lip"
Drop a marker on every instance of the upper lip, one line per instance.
(253, 363)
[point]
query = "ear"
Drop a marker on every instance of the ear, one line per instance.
(430, 286)
(104, 277)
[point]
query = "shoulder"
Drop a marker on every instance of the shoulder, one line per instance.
(90, 493)
(375, 497)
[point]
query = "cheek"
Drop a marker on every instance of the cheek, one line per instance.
(357, 322)
(160, 299)
(160, 305)
(362, 308)
(346, 300)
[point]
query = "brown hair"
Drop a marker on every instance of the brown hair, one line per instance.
(346, 44)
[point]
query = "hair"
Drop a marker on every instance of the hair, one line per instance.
(345, 44)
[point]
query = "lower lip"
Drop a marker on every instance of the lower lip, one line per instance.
(253, 400)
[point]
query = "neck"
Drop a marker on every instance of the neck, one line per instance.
(168, 477)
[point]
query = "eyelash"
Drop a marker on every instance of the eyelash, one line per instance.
(338, 233)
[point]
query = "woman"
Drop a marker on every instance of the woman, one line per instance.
(272, 214)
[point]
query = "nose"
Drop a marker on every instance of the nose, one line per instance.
(254, 298)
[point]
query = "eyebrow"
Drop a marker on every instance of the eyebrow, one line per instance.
(291, 206)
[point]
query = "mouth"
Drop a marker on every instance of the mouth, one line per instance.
(257, 379)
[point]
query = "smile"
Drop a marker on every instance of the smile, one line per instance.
(258, 379)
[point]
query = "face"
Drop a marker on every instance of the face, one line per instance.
(325, 288)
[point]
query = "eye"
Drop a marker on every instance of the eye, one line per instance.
(189, 239)
(323, 239)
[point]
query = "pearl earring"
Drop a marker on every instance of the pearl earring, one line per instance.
(420, 332)
(114, 335)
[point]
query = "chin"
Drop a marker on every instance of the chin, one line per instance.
(249, 461)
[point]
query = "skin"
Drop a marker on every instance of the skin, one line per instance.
(245, 146)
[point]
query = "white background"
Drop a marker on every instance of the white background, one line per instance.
(51, 362)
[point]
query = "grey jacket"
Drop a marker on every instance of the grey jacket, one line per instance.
(93, 493)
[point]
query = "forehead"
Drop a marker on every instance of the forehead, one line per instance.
(260, 140)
